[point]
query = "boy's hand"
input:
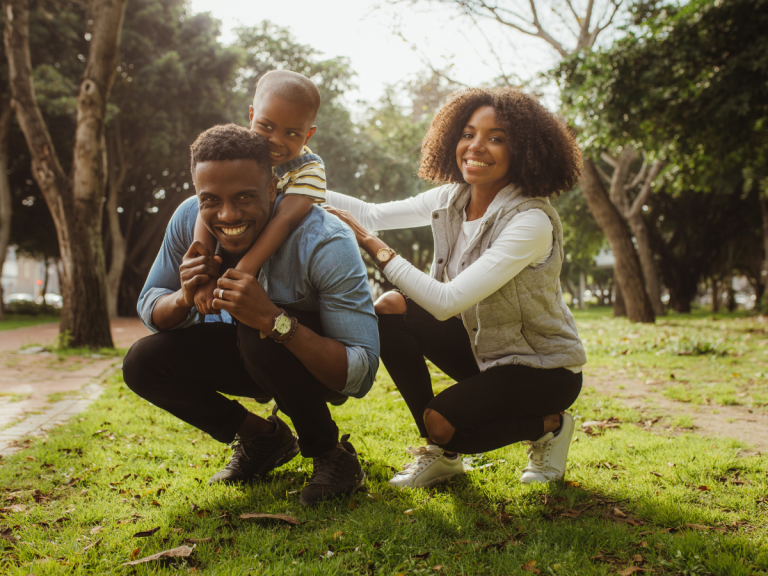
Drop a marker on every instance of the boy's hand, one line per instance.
(204, 298)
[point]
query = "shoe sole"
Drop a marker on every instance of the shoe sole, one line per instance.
(430, 484)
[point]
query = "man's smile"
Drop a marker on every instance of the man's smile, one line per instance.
(233, 230)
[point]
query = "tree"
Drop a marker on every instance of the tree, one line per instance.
(688, 83)
(584, 23)
(75, 200)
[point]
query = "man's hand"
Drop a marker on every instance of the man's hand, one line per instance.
(198, 267)
(243, 297)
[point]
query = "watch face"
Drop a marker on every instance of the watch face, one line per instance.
(283, 324)
(382, 255)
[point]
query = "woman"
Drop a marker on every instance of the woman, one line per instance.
(491, 315)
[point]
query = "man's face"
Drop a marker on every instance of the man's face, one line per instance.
(235, 199)
(286, 125)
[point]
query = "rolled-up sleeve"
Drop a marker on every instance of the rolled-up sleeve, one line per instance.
(346, 308)
(164, 275)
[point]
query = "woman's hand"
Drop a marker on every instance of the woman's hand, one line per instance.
(361, 234)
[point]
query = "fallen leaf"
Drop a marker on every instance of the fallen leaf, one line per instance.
(96, 529)
(93, 545)
(217, 550)
(338, 535)
(283, 517)
(703, 488)
(197, 540)
(145, 533)
(529, 567)
(422, 556)
(637, 558)
(631, 570)
(155, 503)
(14, 508)
(656, 474)
(572, 484)
(697, 527)
(618, 513)
(179, 552)
(408, 511)
(135, 553)
(437, 567)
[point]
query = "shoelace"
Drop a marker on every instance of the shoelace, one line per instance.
(537, 452)
(424, 456)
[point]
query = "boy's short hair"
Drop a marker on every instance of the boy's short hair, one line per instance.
(291, 86)
(230, 142)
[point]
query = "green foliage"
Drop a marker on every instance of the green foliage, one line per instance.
(26, 308)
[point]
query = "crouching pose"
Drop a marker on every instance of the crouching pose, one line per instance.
(309, 337)
(491, 315)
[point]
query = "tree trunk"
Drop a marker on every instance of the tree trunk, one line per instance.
(75, 201)
(645, 252)
(764, 213)
(45, 278)
(619, 309)
(117, 170)
(715, 295)
(627, 271)
(6, 112)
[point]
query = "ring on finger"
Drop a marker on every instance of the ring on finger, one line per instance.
(221, 293)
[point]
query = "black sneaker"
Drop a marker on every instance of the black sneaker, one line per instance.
(259, 455)
(336, 473)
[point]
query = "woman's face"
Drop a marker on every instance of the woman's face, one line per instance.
(483, 150)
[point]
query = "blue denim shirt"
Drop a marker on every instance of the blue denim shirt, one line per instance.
(318, 269)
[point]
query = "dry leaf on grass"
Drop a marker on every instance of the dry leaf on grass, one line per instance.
(618, 513)
(93, 545)
(437, 567)
(631, 570)
(656, 474)
(14, 508)
(179, 552)
(145, 533)
(529, 567)
(283, 517)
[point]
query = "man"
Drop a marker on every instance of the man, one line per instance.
(304, 329)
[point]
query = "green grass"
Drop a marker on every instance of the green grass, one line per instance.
(13, 321)
(692, 506)
(125, 466)
(702, 358)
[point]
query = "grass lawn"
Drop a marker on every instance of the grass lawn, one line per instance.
(11, 321)
(634, 501)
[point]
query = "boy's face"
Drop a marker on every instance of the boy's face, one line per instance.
(235, 199)
(286, 125)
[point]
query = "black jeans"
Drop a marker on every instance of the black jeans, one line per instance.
(186, 371)
(490, 409)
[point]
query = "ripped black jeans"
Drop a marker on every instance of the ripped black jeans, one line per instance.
(490, 409)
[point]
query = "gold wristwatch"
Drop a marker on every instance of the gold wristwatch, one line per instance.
(383, 256)
(282, 323)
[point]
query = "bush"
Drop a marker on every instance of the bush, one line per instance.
(30, 308)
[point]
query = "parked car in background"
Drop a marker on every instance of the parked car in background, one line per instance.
(51, 299)
(11, 298)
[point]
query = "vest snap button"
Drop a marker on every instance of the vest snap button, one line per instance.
(474, 329)
(436, 216)
(440, 261)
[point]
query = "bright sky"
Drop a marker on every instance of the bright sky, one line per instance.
(365, 32)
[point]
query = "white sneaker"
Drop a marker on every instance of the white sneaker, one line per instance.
(548, 455)
(430, 467)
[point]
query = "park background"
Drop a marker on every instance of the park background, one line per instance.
(666, 241)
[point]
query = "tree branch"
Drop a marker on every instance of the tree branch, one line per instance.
(608, 159)
(640, 175)
(645, 192)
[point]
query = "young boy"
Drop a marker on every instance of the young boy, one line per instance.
(284, 109)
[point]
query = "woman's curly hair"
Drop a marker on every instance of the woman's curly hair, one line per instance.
(545, 159)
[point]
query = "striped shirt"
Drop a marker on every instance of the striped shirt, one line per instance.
(303, 176)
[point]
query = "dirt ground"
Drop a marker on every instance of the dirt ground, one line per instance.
(739, 422)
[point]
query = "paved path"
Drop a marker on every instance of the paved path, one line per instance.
(27, 381)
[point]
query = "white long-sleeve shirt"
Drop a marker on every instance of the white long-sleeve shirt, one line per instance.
(526, 240)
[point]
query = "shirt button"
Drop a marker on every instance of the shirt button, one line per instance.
(482, 359)
(435, 216)
(440, 261)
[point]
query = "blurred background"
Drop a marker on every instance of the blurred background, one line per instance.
(669, 102)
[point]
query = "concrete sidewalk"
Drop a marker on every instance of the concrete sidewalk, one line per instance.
(27, 381)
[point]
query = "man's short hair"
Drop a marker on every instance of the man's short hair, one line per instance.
(230, 142)
(291, 86)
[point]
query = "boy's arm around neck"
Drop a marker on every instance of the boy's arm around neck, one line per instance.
(288, 215)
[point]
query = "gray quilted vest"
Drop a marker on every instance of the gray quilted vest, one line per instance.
(526, 321)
